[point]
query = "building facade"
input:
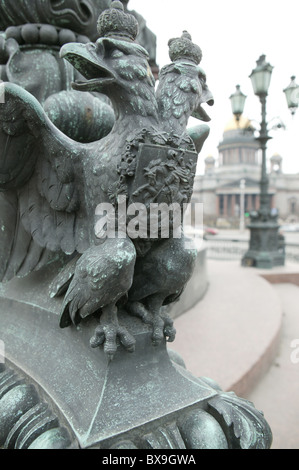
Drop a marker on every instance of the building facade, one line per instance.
(230, 187)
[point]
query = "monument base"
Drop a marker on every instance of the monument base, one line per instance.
(265, 249)
(58, 392)
(263, 260)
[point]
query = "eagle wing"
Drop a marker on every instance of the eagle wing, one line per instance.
(41, 208)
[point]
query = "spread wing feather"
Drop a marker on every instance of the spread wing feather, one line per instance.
(39, 179)
(19, 254)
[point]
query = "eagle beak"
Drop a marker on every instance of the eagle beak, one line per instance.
(199, 112)
(88, 60)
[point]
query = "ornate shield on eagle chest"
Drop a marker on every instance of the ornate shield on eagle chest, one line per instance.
(163, 175)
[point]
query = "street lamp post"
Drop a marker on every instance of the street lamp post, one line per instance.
(292, 95)
(237, 102)
(264, 247)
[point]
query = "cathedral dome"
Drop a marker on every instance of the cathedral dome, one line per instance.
(276, 158)
(243, 123)
(239, 145)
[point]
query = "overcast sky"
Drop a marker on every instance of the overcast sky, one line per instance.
(232, 35)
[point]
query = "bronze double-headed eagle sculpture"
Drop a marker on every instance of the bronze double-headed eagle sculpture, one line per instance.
(52, 184)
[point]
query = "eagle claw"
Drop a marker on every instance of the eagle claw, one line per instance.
(161, 323)
(108, 334)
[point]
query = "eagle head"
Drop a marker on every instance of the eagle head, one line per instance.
(115, 59)
(108, 63)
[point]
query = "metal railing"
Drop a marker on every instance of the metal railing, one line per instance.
(229, 249)
(292, 252)
(225, 249)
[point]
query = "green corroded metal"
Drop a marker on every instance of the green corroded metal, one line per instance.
(107, 381)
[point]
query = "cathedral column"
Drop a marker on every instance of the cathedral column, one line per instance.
(225, 205)
(257, 206)
(233, 205)
(217, 205)
(249, 203)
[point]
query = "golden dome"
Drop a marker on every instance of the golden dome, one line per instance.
(233, 124)
(276, 157)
